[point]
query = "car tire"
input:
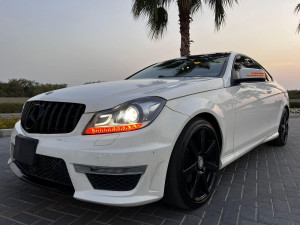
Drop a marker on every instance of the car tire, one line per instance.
(194, 166)
(283, 130)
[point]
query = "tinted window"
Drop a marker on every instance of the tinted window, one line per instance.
(193, 66)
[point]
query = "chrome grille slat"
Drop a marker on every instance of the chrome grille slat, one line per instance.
(67, 117)
(77, 114)
(57, 117)
(43, 123)
(51, 117)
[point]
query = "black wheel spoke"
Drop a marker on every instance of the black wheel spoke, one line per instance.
(192, 169)
(203, 183)
(194, 148)
(285, 118)
(284, 126)
(195, 188)
(210, 151)
(202, 139)
(212, 166)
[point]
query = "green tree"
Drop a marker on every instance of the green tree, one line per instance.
(14, 88)
(297, 10)
(156, 13)
(26, 88)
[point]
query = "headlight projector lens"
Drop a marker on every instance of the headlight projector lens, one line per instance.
(132, 114)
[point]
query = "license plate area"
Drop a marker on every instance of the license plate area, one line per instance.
(25, 149)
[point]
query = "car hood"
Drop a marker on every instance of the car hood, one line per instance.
(106, 95)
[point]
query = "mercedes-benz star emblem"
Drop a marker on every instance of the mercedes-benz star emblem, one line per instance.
(35, 114)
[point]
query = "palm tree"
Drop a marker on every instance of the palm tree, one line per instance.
(297, 10)
(156, 13)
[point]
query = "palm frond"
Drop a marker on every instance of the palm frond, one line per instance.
(218, 6)
(156, 14)
(157, 23)
(166, 3)
(297, 9)
(191, 5)
(143, 8)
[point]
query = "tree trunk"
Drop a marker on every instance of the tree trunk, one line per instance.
(184, 21)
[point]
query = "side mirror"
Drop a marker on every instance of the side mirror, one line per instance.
(248, 75)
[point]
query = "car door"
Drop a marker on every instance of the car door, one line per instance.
(273, 103)
(253, 106)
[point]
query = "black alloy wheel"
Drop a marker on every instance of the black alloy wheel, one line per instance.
(284, 126)
(283, 130)
(194, 166)
(201, 164)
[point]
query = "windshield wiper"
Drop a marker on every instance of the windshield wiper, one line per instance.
(174, 76)
(183, 76)
(162, 76)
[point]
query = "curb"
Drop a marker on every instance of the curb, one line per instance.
(10, 115)
(294, 116)
(5, 132)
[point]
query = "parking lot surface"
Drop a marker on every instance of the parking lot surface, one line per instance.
(262, 187)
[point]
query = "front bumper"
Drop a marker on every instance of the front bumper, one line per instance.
(149, 147)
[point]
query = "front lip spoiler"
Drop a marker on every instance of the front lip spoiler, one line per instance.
(50, 185)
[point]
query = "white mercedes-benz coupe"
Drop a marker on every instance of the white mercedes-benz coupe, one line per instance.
(164, 132)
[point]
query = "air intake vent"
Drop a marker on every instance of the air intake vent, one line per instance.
(48, 168)
(45, 117)
(114, 182)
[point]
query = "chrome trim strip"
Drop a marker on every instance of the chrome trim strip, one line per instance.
(110, 170)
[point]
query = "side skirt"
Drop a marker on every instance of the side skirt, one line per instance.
(226, 160)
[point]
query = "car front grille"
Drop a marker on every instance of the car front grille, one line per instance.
(114, 182)
(47, 168)
(45, 117)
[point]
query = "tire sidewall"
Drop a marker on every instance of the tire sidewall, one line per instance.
(178, 155)
(280, 129)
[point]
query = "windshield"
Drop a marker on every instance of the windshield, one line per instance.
(192, 66)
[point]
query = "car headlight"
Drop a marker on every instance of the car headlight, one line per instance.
(132, 115)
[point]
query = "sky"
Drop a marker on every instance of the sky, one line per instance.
(78, 41)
